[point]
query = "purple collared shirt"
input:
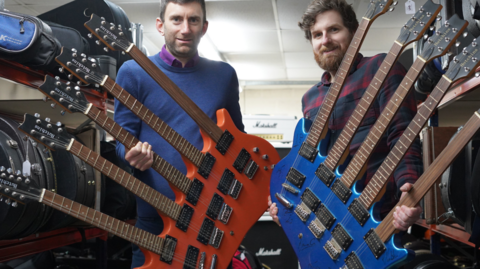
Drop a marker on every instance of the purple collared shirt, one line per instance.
(168, 58)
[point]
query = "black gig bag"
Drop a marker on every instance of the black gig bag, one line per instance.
(27, 40)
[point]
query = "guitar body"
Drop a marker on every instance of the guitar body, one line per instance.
(250, 205)
(308, 248)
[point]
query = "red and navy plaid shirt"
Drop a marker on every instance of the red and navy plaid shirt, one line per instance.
(363, 71)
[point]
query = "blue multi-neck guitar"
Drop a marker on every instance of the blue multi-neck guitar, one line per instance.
(296, 187)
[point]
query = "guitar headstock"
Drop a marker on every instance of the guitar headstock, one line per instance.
(17, 188)
(465, 63)
(53, 136)
(66, 95)
(444, 38)
(83, 67)
(110, 34)
(415, 27)
(379, 7)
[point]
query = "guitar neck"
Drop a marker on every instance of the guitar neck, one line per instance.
(354, 168)
(373, 188)
(173, 138)
(433, 172)
(140, 189)
(202, 120)
(343, 141)
(318, 125)
(170, 173)
(119, 228)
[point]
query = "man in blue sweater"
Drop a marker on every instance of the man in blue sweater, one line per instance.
(211, 85)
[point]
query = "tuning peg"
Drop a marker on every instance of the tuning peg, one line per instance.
(449, 53)
(105, 49)
(90, 35)
(415, 32)
(27, 181)
(454, 30)
(45, 98)
(429, 14)
(53, 105)
(467, 69)
(474, 59)
(391, 9)
(8, 201)
(2, 169)
(79, 83)
(438, 33)
(457, 43)
(129, 29)
(447, 39)
(474, 43)
(98, 42)
(6, 190)
(97, 85)
(477, 74)
(464, 51)
(121, 33)
(58, 124)
(18, 173)
(47, 119)
(22, 197)
(1, 197)
(447, 24)
(413, 17)
(395, 3)
(74, 50)
(70, 76)
(123, 52)
(440, 49)
(439, 17)
(37, 115)
(34, 144)
(444, 67)
(52, 144)
(430, 40)
(62, 112)
(14, 204)
(465, 34)
(432, 28)
(422, 23)
(9, 170)
(102, 18)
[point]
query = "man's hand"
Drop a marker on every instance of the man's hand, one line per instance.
(140, 156)
(404, 216)
(273, 210)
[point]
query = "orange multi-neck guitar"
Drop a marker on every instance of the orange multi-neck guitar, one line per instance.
(238, 167)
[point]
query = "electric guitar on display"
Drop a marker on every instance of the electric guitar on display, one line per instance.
(199, 240)
(301, 187)
(23, 190)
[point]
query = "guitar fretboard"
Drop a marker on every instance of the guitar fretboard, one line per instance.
(176, 140)
(433, 172)
(142, 190)
(119, 228)
(318, 125)
(343, 141)
(202, 120)
(356, 165)
(170, 173)
(386, 169)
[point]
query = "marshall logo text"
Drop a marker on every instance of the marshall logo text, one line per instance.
(259, 124)
(271, 252)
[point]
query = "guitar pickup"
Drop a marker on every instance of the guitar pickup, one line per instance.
(359, 212)
(325, 216)
(308, 152)
(206, 166)
(303, 212)
(206, 231)
(374, 243)
(191, 258)
(341, 191)
(226, 181)
(241, 160)
(194, 192)
(251, 169)
(317, 228)
(225, 213)
(215, 206)
(296, 178)
(352, 262)
(168, 250)
(325, 174)
(341, 237)
(184, 219)
(289, 188)
(224, 142)
(310, 199)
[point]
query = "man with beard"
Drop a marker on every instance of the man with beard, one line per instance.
(211, 85)
(330, 25)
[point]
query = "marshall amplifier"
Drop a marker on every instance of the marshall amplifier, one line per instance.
(268, 241)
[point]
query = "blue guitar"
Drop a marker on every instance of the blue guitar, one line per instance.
(296, 187)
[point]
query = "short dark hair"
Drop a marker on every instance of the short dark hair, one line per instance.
(164, 3)
(319, 6)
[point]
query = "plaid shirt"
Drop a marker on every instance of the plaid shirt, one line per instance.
(363, 71)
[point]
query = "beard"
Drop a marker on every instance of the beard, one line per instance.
(331, 62)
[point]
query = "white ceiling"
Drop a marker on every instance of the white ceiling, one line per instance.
(259, 38)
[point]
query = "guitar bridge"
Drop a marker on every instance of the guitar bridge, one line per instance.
(341, 191)
(251, 169)
(225, 213)
(302, 211)
(216, 238)
(317, 228)
(235, 189)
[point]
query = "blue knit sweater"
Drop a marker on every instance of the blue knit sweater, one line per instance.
(211, 85)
